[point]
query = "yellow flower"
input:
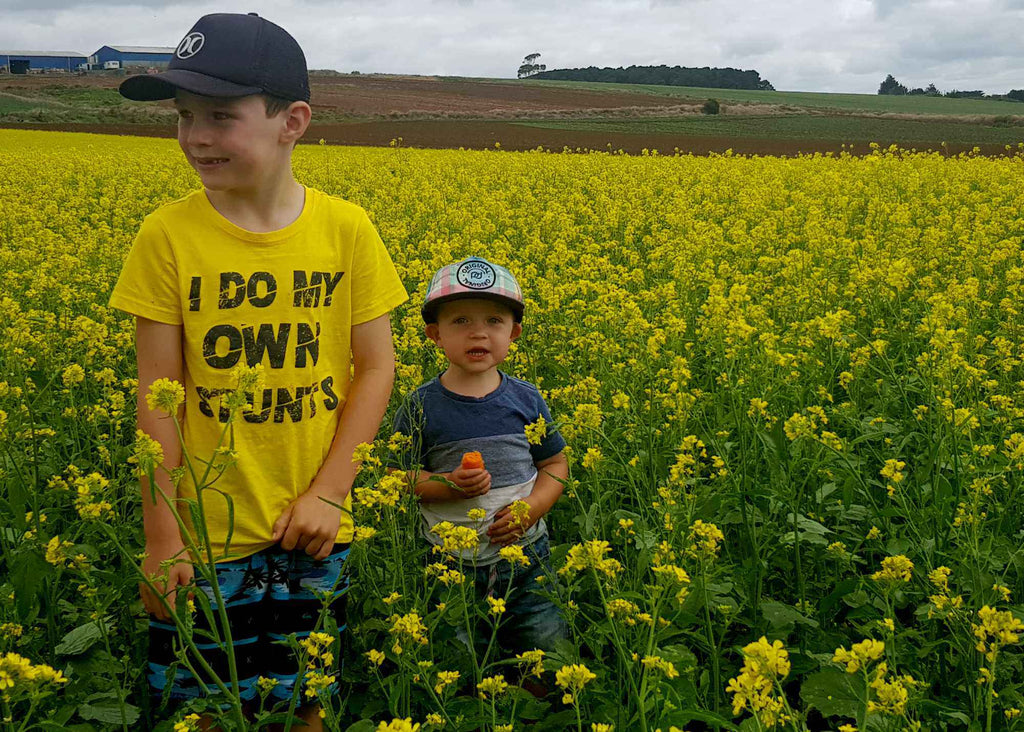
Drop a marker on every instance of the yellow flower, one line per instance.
(375, 656)
(534, 658)
(660, 664)
(266, 685)
(73, 374)
(57, 551)
(592, 457)
(148, 455)
(444, 680)
(362, 533)
(363, 453)
(860, 655)
(492, 686)
(894, 570)
(496, 606)
(476, 514)
(513, 554)
(409, 626)
(190, 723)
(166, 395)
(536, 431)
(590, 555)
(520, 513)
(764, 666)
(455, 539)
(398, 725)
(572, 679)
(704, 540)
(392, 598)
(995, 630)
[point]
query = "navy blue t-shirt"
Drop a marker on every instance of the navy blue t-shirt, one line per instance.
(445, 425)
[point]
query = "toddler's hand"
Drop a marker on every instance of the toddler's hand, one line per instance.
(472, 482)
(506, 529)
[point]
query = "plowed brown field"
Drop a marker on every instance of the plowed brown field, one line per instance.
(484, 135)
(435, 112)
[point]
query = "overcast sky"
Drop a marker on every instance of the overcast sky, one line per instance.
(807, 45)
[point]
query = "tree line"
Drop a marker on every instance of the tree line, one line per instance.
(714, 78)
(891, 87)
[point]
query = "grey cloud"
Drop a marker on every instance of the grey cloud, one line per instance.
(842, 45)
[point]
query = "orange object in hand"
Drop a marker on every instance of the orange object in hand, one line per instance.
(472, 461)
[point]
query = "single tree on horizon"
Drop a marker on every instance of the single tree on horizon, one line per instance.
(891, 87)
(530, 66)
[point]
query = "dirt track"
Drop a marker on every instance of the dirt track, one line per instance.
(483, 134)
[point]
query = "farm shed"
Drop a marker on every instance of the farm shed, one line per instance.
(21, 62)
(155, 56)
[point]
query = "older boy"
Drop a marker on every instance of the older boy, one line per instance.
(256, 268)
(473, 310)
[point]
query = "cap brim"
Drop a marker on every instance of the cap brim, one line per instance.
(153, 87)
(429, 309)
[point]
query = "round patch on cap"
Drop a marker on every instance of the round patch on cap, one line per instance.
(476, 275)
(190, 45)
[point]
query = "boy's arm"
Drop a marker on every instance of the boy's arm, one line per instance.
(159, 354)
(309, 523)
(551, 472)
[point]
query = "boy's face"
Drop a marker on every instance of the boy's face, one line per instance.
(474, 333)
(232, 143)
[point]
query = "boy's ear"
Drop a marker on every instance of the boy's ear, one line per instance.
(296, 121)
(517, 330)
(433, 332)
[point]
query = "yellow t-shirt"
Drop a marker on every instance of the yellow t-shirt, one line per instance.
(286, 299)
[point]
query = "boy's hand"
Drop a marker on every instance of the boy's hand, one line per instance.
(178, 575)
(308, 524)
(471, 482)
(505, 531)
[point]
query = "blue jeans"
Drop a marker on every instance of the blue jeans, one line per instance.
(530, 620)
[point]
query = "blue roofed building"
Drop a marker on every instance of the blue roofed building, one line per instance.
(149, 56)
(21, 62)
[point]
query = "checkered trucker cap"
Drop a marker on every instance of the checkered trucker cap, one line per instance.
(473, 277)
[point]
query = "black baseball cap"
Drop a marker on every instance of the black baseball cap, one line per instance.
(229, 55)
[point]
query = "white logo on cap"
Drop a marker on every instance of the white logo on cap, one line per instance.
(190, 45)
(476, 275)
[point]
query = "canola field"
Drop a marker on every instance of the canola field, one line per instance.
(793, 391)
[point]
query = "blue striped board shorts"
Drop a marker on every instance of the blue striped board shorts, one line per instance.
(268, 596)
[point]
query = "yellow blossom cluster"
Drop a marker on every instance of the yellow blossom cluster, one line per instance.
(757, 688)
(590, 555)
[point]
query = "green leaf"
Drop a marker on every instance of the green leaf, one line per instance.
(781, 616)
(363, 725)
(104, 708)
(79, 640)
(28, 571)
(834, 693)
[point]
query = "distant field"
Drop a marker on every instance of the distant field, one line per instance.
(10, 105)
(817, 100)
(429, 111)
(805, 127)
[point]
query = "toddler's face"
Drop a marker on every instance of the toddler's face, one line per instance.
(475, 333)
